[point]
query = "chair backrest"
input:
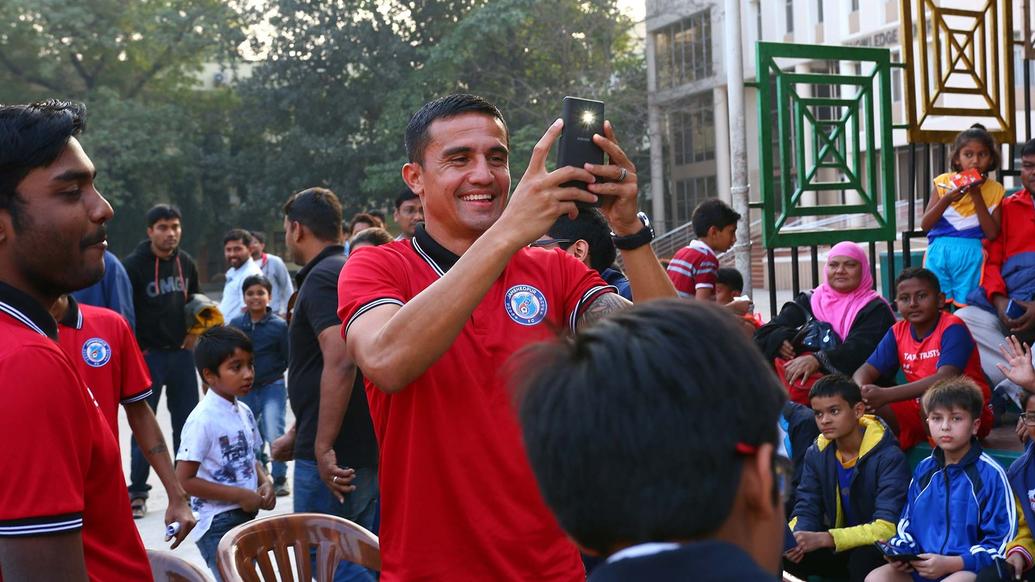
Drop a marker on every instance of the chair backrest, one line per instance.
(244, 553)
(168, 567)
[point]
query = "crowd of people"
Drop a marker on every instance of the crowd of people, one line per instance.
(481, 392)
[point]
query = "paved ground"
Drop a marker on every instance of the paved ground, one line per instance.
(152, 527)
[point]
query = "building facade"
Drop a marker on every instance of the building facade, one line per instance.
(689, 124)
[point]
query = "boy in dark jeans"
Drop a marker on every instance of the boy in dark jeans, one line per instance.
(268, 396)
(216, 461)
(853, 486)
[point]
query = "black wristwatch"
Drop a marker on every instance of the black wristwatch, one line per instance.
(635, 241)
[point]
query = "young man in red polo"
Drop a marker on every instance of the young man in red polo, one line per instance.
(105, 353)
(432, 321)
(64, 512)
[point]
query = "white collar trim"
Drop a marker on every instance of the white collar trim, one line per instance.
(640, 550)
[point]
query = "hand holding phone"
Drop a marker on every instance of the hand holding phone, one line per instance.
(582, 118)
(892, 553)
(1014, 310)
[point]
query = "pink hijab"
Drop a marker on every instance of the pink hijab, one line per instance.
(840, 309)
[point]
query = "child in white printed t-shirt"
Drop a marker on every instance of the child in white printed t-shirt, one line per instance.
(216, 463)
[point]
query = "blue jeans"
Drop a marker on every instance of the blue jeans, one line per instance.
(208, 543)
(174, 369)
(267, 404)
(360, 506)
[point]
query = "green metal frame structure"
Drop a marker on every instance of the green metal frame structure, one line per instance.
(843, 143)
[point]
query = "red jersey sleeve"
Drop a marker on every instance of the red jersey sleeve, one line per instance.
(370, 278)
(45, 431)
(135, 383)
(995, 253)
(680, 274)
(707, 272)
(581, 287)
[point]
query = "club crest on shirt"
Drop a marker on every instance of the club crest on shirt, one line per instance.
(525, 304)
(96, 352)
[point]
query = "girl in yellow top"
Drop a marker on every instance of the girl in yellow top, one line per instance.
(958, 218)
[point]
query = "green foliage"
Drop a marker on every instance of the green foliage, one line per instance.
(365, 75)
(152, 135)
(328, 96)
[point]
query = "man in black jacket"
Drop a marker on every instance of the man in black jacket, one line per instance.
(164, 278)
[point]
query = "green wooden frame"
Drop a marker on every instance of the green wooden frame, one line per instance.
(843, 144)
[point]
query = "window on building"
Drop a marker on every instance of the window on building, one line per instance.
(683, 51)
(827, 91)
(788, 8)
(692, 127)
(691, 192)
(819, 10)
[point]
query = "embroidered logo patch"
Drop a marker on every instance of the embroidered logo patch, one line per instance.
(525, 304)
(96, 352)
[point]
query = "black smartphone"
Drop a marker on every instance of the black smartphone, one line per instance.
(891, 553)
(1014, 310)
(582, 118)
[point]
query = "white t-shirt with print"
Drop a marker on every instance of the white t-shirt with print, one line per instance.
(222, 437)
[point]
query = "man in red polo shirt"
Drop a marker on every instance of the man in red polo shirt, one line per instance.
(101, 345)
(64, 512)
(431, 323)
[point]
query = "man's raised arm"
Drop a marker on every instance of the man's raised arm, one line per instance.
(423, 329)
(647, 277)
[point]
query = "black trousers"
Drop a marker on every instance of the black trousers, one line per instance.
(853, 564)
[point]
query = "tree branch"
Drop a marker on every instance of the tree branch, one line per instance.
(159, 63)
(27, 77)
(87, 78)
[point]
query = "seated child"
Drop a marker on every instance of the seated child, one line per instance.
(1021, 473)
(959, 514)
(853, 486)
(929, 345)
(216, 462)
(268, 397)
(797, 425)
(693, 268)
(729, 285)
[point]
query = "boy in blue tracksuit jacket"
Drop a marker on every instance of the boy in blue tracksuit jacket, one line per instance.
(853, 486)
(960, 514)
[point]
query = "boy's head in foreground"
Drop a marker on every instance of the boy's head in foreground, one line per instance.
(223, 356)
(631, 442)
(953, 409)
(918, 296)
(837, 403)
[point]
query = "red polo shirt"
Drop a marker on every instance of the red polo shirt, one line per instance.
(458, 497)
(62, 466)
(107, 357)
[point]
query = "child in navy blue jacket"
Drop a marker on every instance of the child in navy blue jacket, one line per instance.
(960, 514)
(853, 486)
(268, 396)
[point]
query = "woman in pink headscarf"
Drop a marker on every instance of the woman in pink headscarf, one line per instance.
(857, 314)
